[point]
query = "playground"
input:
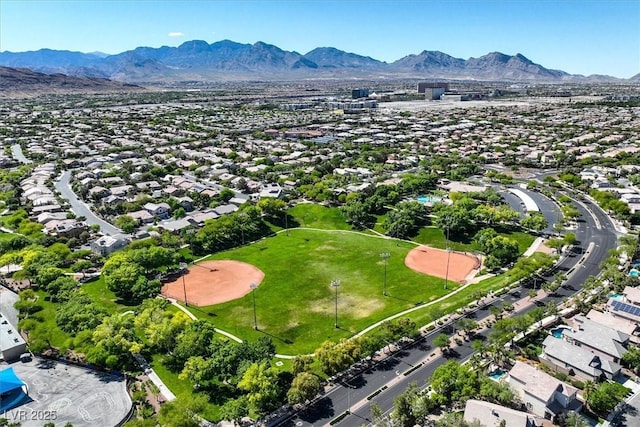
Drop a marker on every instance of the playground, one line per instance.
(213, 282)
(451, 265)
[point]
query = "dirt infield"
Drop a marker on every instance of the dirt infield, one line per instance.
(213, 282)
(462, 266)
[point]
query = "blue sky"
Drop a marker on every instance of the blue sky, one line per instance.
(577, 36)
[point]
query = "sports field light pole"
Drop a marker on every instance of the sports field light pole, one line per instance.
(446, 274)
(385, 256)
(253, 287)
(336, 284)
(183, 267)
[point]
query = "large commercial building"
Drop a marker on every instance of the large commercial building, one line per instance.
(433, 90)
(359, 93)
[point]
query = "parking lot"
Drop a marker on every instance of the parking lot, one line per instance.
(61, 394)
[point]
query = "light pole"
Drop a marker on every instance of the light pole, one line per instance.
(385, 256)
(336, 284)
(183, 267)
(446, 274)
(253, 287)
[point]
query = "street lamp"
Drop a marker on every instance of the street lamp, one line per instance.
(183, 267)
(385, 256)
(253, 287)
(336, 284)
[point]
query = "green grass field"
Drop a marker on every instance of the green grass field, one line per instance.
(311, 215)
(295, 303)
(102, 296)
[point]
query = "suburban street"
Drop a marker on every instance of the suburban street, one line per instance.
(80, 208)
(598, 235)
(16, 151)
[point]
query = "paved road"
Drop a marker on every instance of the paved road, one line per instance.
(548, 208)
(351, 394)
(80, 208)
(16, 150)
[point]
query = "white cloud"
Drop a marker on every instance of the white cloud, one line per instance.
(176, 34)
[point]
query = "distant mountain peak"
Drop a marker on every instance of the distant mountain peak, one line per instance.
(229, 60)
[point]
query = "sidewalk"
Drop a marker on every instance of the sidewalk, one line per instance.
(164, 390)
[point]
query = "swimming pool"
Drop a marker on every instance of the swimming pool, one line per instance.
(559, 331)
(616, 297)
(497, 374)
(428, 199)
(634, 272)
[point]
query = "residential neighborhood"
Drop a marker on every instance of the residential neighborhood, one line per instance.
(107, 200)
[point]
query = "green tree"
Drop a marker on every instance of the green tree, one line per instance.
(79, 313)
(62, 288)
(182, 412)
(161, 327)
(271, 207)
(483, 238)
(534, 221)
(260, 381)
(127, 279)
(235, 409)
(305, 386)
(466, 325)
(357, 214)
(631, 358)
(606, 396)
(126, 223)
(573, 419)
(498, 392)
(453, 382)
(442, 342)
(403, 407)
(47, 275)
(114, 342)
(226, 195)
(302, 363)
(335, 357)
(180, 212)
(570, 239)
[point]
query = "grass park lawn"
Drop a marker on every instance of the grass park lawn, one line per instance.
(435, 237)
(55, 335)
(312, 215)
(295, 303)
(102, 296)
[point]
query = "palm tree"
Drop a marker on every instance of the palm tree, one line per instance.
(573, 419)
(499, 355)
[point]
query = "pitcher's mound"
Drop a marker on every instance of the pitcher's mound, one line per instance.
(462, 266)
(213, 282)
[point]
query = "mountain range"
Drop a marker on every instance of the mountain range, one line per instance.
(226, 60)
(24, 82)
